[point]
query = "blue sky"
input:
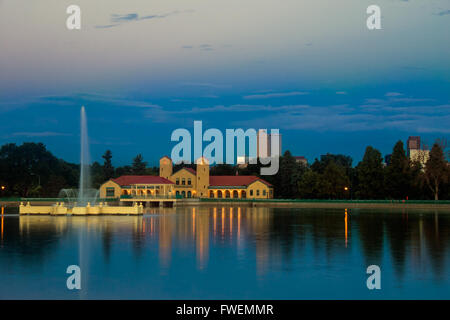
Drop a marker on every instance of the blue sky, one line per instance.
(143, 69)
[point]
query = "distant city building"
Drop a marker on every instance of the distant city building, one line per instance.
(264, 144)
(302, 160)
(413, 143)
(417, 152)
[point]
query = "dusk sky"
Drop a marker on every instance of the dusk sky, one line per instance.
(145, 68)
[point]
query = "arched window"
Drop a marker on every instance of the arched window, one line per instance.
(189, 194)
(227, 194)
(183, 193)
(243, 194)
(211, 194)
(219, 194)
(235, 194)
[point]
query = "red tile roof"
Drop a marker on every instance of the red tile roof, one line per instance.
(191, 170)
(129, 180)
(234, 181)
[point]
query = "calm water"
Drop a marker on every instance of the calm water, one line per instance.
(228, 253)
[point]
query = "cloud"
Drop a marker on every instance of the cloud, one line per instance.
(275, 95)
(206, 85)
(393, 94)
(202, 47)
(443, 13)
(120, 19)
(124, 17)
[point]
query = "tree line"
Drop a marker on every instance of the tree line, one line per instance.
(30, 170)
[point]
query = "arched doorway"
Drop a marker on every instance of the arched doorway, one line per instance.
(189, 194)
(183, 194)
(177, 193)
(227, 194)
(243, 194)
(235, 194)
(211, 194)
(219, 194)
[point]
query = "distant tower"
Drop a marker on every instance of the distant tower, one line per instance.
(412, 144)
(264, 143)
(202, 177)
(165, 167)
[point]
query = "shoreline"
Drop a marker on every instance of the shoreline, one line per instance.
(282, 203)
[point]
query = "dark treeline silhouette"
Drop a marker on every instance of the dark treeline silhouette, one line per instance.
(30, 170)
(333, 176)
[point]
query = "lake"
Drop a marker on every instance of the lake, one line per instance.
(211, 252)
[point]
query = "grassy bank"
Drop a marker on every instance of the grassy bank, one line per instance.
(350, 204)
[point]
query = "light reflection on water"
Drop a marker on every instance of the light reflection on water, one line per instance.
(228, 253)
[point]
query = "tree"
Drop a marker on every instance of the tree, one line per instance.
(339, 159)
(308, 186)
(286, 180)
(26, 170)
(370, 175)
(108, 169)
(139, 165)
(333, 182)
(398, 174)
(436, 170)
(223, 169)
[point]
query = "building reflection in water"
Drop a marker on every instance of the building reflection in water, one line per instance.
(273, 238)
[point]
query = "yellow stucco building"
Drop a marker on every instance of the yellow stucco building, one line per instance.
(190, 183)
(186, 183)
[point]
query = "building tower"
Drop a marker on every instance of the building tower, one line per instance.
(264, 144)
(165, 167)
(202, 177)
(413, 143)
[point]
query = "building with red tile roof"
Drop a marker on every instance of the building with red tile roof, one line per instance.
(198, 183)
(129, 186)
(186, 183)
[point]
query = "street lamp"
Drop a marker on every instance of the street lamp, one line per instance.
(346, 189)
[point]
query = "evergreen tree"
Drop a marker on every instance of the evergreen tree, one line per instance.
(108, 169)
(370, 175)
(139, 165)
(398, 174)
(436, 170)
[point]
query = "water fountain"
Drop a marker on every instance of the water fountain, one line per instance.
(84, 200)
